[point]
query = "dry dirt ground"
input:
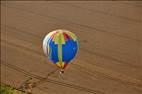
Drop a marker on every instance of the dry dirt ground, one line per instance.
(110, 35)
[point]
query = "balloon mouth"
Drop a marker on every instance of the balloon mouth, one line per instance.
(61, 65)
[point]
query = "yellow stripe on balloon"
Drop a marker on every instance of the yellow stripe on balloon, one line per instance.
(60, 49)
(59, 39)
(56, 38)
(62, 39)
(60, 52)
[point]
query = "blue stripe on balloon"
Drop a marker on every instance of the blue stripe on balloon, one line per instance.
(69, 50)
(54, 52)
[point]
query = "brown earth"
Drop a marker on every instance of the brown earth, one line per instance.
(110, 56)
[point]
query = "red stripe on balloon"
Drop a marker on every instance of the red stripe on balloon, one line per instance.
(67, 37)
(65, 65)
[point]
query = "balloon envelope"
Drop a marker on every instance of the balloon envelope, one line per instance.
(61, 47)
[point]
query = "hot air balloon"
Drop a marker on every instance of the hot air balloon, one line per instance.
(61, 47)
